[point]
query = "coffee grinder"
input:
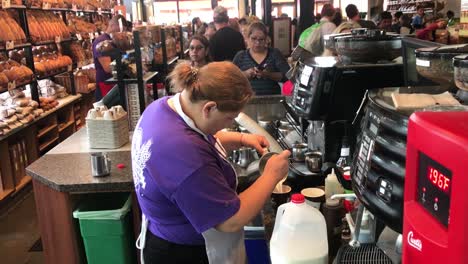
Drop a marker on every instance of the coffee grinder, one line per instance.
(434, 224)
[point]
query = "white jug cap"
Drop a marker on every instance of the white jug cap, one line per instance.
(332, 202)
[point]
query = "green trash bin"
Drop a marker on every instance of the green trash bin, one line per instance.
(105, 224)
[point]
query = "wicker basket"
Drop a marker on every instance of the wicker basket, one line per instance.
(107, 134)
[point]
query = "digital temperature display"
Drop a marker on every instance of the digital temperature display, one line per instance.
(438, 179)
(434, 188)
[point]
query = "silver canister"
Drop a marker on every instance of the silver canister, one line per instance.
(100, 164)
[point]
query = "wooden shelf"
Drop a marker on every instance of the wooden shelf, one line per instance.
(44, 131)
(62, 128)
(24, 181)
(44, 145)
(6, 193)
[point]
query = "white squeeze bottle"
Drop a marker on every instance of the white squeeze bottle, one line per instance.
(332, 185)
(299, 235)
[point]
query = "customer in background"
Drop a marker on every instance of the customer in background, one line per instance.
(396, 23)
(352, 13)
(196, 25)
(450, 18)
(405, 25)
(226, 42)
(418, 21)
(199, 51)
(428, 32)
(234, 24)
(210, 30)
(185, 187)
(385, 21)
(263, 66)
(314, 43)
(102, 63)
(338, 17)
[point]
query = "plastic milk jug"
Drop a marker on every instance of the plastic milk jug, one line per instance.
(299, 234)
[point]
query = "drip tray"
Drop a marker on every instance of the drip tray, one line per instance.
(366, 253)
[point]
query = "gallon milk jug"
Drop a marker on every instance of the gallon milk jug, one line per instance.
(299, 234)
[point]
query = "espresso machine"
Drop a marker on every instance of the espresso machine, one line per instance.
(329, 90)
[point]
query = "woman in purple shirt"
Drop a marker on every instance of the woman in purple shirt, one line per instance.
(185, 186)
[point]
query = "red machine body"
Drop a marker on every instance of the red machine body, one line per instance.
(435, 224)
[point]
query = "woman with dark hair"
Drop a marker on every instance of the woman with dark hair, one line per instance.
(199, 51)
(338, 17)
(185, 186)
(263, 66)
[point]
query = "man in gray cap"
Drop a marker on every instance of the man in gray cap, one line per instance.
(226, 42)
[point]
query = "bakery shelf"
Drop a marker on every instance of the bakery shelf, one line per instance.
(6, 193)
(15, 7)
(67, 125)
(47, 42)
(51, 75)
(146, 78)
(23, 182)
(46, 144)
(18, 46)
(45, 130)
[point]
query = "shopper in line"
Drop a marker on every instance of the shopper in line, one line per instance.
(314, 43)
(226, 42)
(186, 188)
(428, 32)
(199, 51)
(450, 18)
(405, 25)
(210, 30)
(396, 23)
(418, 21)
(352, 13)
(263, 66)
(385, 21)
(102, 63)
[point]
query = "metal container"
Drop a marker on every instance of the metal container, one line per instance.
(298, 151)
(100, 164)
(366, 45)
(245, 156)
(460, 71)
(436, 63)
(313, 161)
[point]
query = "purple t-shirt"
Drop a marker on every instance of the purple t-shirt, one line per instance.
(183, 186)
(101, 75)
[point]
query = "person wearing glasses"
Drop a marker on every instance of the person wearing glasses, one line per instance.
(262, 65)
(185, 186)
(199, 51)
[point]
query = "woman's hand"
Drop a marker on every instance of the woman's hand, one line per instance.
(257, 142)
(250, 73)
(278, 165)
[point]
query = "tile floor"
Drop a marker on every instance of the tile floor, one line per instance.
(19, 230)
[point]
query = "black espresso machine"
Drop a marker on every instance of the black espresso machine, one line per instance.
(328, 91)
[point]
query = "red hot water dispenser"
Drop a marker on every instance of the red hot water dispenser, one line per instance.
(435, 226)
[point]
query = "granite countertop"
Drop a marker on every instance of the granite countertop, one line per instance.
(67, 168)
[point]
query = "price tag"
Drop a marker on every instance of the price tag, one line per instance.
(74, 8)
(79, 37)
(91, 36)
(58, 39)
(11, 85)
(69, 68)
(9, 45)
(46, 6)
(423, 63)
(99, 10)
(6, 3)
